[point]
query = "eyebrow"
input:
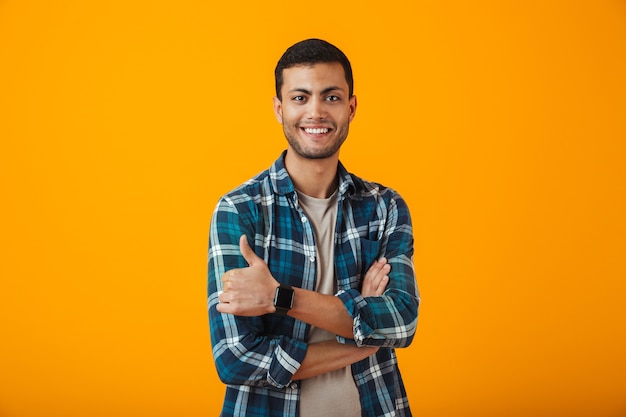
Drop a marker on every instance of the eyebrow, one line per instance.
(324, 91)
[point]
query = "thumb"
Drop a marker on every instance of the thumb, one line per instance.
(246, 251)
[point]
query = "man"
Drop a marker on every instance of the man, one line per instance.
(311, 278)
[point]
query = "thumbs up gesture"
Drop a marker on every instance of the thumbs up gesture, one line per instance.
(248, 291)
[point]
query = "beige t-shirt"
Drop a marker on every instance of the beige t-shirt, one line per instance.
(333, 393)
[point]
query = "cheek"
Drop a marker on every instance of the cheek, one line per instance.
(290, 117)
(345, 118)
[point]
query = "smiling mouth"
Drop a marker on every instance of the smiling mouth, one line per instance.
(316, 130)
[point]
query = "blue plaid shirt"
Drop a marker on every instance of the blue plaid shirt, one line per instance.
(256, 357)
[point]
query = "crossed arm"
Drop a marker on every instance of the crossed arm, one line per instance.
(250, 292)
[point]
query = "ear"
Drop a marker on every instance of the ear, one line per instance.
(278, 110)
(352, 105)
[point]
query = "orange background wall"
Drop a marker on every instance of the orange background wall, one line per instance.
(503, 124)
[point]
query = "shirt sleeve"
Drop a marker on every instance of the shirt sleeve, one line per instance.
(244, 352)
(389, 320)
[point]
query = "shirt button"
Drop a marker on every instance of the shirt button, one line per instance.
(312, 259)
(294, 385)
(303, 219)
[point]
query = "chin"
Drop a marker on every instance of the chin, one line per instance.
(315, 154)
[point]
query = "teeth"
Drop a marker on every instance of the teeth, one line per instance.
(316, 131)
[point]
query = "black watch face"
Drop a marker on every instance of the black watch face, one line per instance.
(284, 297)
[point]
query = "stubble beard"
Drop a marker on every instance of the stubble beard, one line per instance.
(307, 153)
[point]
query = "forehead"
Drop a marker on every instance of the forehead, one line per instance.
(314, 77)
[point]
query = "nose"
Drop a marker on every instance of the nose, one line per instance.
(316, 110)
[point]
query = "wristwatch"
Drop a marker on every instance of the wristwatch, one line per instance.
(283, 299)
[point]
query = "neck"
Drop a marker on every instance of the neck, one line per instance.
(313, 177)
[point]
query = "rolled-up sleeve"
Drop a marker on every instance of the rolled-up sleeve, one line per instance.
(245, 352)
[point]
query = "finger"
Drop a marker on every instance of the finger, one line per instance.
(374, 272)
(376, 278)
(377, 273)
(222, 301)
(223, 307)
(382, 285)
(228, 277)
(378, 265)
(246, 251)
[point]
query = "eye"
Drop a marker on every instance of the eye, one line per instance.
(298, 98)
(333, 98)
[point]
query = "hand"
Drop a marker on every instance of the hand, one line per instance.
(248, 291)
(376, 278)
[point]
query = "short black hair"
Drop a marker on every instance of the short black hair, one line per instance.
(310, 52)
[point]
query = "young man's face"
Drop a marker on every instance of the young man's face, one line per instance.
(316, 109)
